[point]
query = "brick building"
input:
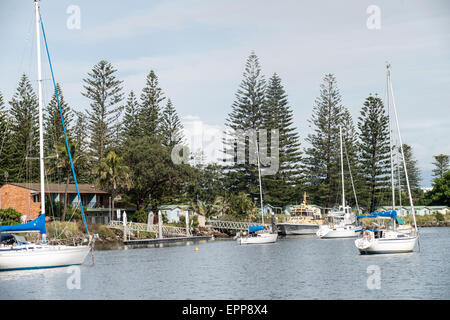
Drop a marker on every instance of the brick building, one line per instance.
(25, 197)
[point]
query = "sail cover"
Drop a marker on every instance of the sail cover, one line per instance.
(255, 228)
(381, 214)
(37, 224)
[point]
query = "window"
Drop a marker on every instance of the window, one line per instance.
(37, 198)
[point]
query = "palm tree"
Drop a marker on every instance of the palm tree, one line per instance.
(113, 175)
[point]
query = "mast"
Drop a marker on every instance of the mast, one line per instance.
(388, 79)
(41, 131)
(403, 157)
(342, 170)
(259, 177)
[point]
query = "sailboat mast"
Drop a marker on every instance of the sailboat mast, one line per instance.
(388, 77)
(403, 157)
(259, 177)
(342, 170)
(41, 131)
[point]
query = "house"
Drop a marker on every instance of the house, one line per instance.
(173, 213)
(25, 197)
(419, 210)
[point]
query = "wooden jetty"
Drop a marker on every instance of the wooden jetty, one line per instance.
(167, 240)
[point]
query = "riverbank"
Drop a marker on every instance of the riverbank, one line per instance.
(108, 238)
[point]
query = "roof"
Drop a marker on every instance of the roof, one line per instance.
(59, 188)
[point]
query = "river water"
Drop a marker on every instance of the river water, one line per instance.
(292, 268)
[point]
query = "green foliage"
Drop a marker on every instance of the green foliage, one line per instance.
(441, 165)
(440, 194)
(150, 109)
(171, 127)
(139, 216)
(322, 161)
(373, 125)
(105, 94)
(9, 217)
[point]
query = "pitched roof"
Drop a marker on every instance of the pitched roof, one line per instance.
(59, 188)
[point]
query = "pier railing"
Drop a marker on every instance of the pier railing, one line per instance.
(232, 225)
(143, 227)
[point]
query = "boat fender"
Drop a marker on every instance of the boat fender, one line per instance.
(367, 235)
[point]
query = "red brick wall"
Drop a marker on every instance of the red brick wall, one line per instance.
(19, 199)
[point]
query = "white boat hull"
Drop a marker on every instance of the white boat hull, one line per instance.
(260, 238)
(42, 257)
(386, 245)
(338, 232)
(297, 228)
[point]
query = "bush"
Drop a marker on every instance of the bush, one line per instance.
(139, 216)
(10, 217)
(439, 216)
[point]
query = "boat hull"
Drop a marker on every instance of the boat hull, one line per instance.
(380, 246)
(259, 239)
(336, 233)
(297, 229)
(42, 257)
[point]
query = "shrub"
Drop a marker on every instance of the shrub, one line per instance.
(10, 217)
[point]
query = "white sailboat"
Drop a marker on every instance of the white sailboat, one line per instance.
(25, 255)
(342, 222)
(259, 234)
(397, 237)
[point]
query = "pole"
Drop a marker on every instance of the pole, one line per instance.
(160, 224)
(259, 176)
(187, 223)
(41, 131)
(388, 79)
(404, 162)
(342, 170)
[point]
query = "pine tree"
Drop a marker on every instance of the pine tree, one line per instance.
(25, 132)
(411, 167)
(54, 133)
(131, 125)
(6, 146)
(105, 93)
(323, 156)
(277, 114)
(171, 127)
(79, 140)
(246, 115)
(373, 125)
(150, 114)
(441, 165)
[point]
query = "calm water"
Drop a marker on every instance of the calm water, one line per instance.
(292, 268)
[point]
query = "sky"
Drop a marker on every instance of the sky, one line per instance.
(198, 49)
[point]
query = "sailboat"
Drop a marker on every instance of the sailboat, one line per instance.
(26, 255)
(259, 234)
(341, 222)
(395, 238)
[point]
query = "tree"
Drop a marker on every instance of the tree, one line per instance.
(6, 145)
(9, 217)
(113, 175)
(440, 194)
(131, 125)
(441, 165)
(150, 113)
(153, 172)
(246, 115)
(54, 132)
(373, 125)
(323, 156)
(411, 167)
(24, 113)
(105, 93)
(171, 127)
(277, 114)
